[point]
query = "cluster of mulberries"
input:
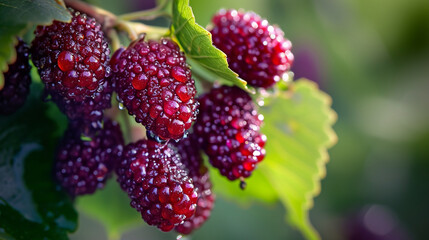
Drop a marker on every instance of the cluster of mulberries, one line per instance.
(73, 63)
(167, 181)
(83, 165)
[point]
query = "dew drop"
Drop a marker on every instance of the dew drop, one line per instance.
(66, 61)
(179, 74)
(152, 136)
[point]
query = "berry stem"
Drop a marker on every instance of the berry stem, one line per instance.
(152, 32)
(109, 20)
(114, 38)
(104, 17)
(150, 14)
(127, 27)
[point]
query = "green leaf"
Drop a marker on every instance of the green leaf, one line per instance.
(8, 41)
(13, 225)
(298, 125)
(15, 17)
(36, 11)
(258, 188)
(29, 194)
(196, 42)
(111, 206)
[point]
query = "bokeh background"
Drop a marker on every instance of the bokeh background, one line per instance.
(372, 57)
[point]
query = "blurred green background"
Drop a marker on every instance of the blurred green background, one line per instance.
(372, 57)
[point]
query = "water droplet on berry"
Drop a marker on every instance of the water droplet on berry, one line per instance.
(171, 107)
(183, 92)
(140, 81)
(176, 128)
(152, 136)
(66, 61)
(70, 80)
(92, 62)
(121, 106)
(179, 74)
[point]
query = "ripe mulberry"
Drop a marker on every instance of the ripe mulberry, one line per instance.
(154, 83)
(256, 50)
(228, 130)
(83, 166)
(17, 82)
(73, 62)
(159, 188)
(191, 158)
(87, 113)
(72, 58)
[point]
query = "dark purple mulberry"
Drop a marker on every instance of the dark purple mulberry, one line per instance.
(154, 83)
(228, 130)
(256, 50)
(73, 62)
(191, 158)
(83, 166)
(72, 58)
(17, 82)
(159, 188)
(87, 113)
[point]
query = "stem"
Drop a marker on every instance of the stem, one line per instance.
(109, 20)
(152, 32)
(105, 18)
(128, 28)
(150, 14)
(114, 38)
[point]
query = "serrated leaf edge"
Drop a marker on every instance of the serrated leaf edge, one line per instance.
(321, 163)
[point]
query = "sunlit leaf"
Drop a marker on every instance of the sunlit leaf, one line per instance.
(111, 206)
(298, 125)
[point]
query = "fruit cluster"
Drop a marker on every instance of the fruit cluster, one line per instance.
(167, 181)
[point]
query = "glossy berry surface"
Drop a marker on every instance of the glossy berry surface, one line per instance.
(256, 50)
(191, 158)
(159, 188)
(72, 58)
(228, 129)
(154, 83)
(17, 82)
(89, 112)
(83, 166)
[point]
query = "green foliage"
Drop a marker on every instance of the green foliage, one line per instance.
(298, 125)
(31, 203)
(18, 227)
(119, 217)
(7, 43)
(37, 12)
(16, 16)
(258, 188)
(196, 42)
